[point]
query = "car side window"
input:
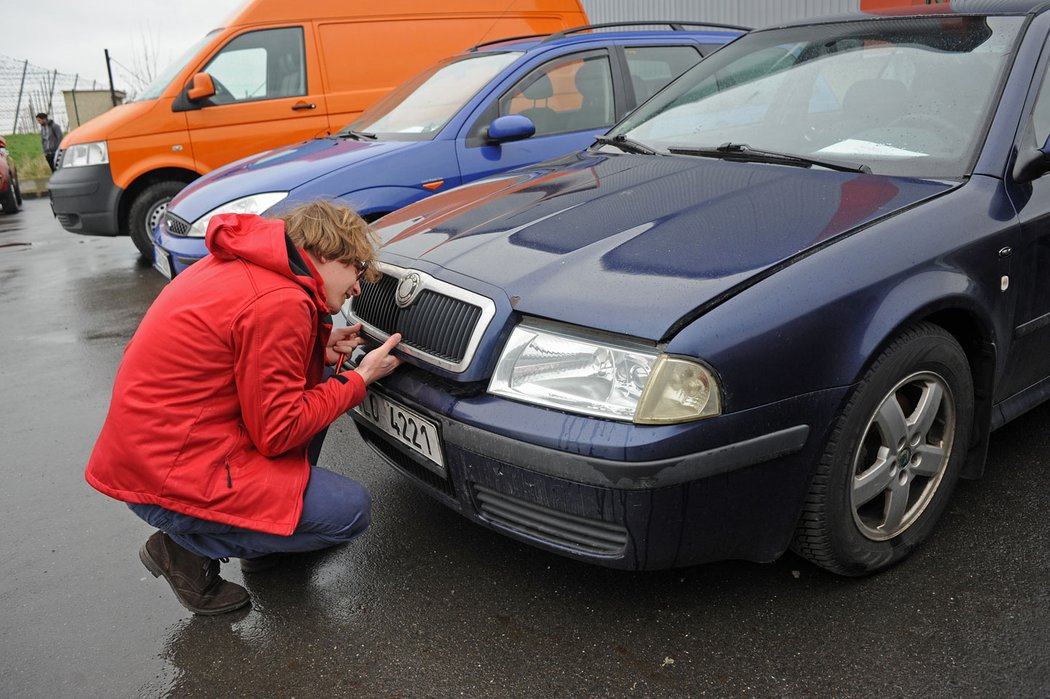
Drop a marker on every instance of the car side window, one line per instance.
(259, 65)
(652, 67)
(1041, 113)
(568, 94)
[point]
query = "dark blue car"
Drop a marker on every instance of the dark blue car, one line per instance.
(782, 304)
(495, 107)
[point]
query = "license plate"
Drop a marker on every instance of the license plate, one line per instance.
(162, 262)
(406, 426)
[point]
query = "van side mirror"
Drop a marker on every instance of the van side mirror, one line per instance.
(1032, 163)
(202, 87)
(513, 127)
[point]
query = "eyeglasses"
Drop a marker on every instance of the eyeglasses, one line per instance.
(361, 267)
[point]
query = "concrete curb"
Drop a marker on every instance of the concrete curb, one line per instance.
(34, 189)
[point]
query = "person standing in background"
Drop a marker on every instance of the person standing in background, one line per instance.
(50, 137)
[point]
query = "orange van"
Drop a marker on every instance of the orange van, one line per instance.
(277, 73)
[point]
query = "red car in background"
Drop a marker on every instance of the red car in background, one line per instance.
(10, 194)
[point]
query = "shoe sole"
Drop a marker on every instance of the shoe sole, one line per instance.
(154, 568)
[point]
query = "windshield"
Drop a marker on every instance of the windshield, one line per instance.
(421, 106)
(161, 82)
(909, 97)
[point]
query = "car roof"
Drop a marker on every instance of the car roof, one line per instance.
(903, 8)
(715, 33)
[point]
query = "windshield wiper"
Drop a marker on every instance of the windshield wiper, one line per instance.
(625, 144)
(359, 135)
(741, 152)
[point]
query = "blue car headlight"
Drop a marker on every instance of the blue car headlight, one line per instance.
(252, 204)
(604, 376)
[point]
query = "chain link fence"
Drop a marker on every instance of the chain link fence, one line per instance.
(26, 89)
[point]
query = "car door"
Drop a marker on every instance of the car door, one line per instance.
(1030, 259)
(571, 99)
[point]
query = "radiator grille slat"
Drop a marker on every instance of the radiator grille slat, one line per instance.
(436, 324)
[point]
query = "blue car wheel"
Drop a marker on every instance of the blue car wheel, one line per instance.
(893, 456)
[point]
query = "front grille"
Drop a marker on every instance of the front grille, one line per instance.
(589, 536)
(68, 220)
(176, 225)
(58, 158)
(435, 323)
(405, 462)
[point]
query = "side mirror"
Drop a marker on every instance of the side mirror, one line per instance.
(1032, 163)
(513, 127)
(202, 87)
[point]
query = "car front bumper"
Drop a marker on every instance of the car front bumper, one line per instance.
(182, 251)
(735, 492)
(85, 200)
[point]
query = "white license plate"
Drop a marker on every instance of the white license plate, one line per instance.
(162, 262)
(406, 426)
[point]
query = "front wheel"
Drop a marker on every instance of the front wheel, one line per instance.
(146, 211)
(11, 200)
(893, 456)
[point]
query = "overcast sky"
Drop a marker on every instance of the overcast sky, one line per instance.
(70, 35)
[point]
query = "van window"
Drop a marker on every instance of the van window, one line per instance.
(164, 78)
(570, 94)
(259, 65)
(652, 67)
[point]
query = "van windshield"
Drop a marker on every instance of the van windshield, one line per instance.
(420, 107)
(161, 82)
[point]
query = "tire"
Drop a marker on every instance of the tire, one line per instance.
(146, 211)
(892, 458)
(11, 200)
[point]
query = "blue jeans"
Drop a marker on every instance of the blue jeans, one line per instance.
(336, 509)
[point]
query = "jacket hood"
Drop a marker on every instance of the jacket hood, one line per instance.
(565, 237)
(263, 242)
(281, 169)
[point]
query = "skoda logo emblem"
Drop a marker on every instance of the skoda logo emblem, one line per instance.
(407, 290)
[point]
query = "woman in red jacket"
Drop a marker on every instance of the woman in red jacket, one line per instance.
(221, 391)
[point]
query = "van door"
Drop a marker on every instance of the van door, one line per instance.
(268, 93)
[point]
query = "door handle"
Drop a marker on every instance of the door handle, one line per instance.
(301, 106)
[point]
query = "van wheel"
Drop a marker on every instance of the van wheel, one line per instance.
(146, 211)
(893, 456)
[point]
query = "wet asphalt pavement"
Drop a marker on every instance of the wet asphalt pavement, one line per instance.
(427, 604)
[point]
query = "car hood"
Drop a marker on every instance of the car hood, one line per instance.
(280, 170)
(631, 244)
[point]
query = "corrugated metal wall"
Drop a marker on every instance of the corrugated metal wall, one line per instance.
(749, 13)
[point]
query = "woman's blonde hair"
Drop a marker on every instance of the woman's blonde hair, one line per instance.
(332, 231)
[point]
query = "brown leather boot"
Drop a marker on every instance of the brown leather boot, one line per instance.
(194, 579)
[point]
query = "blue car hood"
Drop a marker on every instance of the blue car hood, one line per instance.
(279, 170)
(631, 244)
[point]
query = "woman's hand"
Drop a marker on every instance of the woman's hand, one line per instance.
(343, 341)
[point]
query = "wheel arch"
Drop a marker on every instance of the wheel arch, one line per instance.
(127, 198)
(975, 333)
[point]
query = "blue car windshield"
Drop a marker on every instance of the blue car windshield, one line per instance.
(901, 96)
(420, 107)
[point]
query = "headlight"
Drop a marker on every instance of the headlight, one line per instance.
(86, 154)
(254, 204)
(603, 377)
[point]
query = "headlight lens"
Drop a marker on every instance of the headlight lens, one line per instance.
(603, 377)
(253, 204)
(83, 154)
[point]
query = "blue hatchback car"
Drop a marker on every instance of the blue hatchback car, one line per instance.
(493, 108)
(783, 303)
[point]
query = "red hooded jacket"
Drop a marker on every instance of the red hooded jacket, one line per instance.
(220, 389)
